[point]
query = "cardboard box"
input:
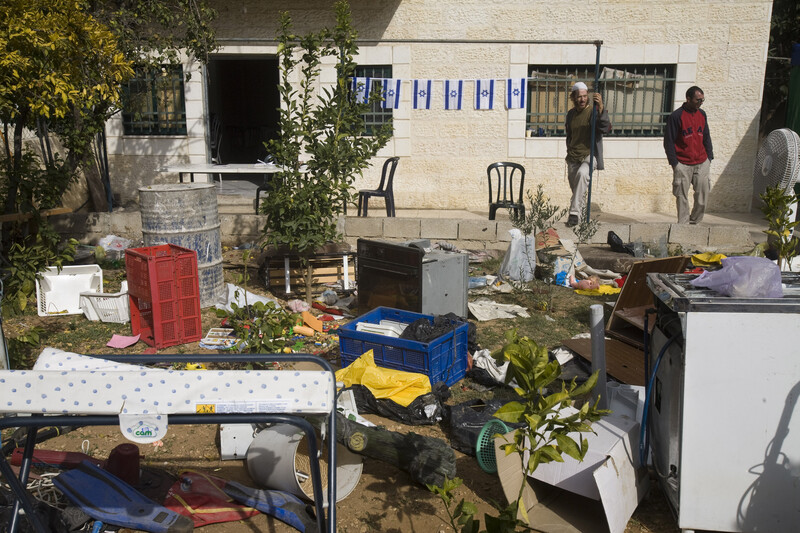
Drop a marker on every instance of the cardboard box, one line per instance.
(596, 495)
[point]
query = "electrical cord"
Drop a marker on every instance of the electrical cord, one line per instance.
(648, 393)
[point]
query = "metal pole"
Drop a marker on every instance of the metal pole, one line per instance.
(597, 44)
(599, 353)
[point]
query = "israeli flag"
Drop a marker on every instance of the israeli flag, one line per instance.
(453, 89)
(422, 94)
(484, 94)
(360, 89)
(391, 93)
(515, 93)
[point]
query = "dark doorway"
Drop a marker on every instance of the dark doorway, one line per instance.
(243, 104)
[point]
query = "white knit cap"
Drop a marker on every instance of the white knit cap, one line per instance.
(578, 86)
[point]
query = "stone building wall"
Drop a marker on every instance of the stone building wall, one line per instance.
(719, 45)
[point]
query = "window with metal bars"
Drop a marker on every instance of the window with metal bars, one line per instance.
(154, 103)
(638, 97)
(377, 116)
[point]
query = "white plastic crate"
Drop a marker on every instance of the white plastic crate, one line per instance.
(59, 293)
(107, 307)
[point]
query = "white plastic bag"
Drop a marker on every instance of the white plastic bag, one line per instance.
(111, 243)
(744, 277)
(520, 260)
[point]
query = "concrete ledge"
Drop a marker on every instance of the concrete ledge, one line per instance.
(726, 236)
(477, 230)
(401, 228)
(363, 227)
(477, 234)
(688, 234)
(439, 228)
(649, 232)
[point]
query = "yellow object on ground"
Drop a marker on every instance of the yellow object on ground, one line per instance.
(396, 385)
(604, 289)
(707, 259)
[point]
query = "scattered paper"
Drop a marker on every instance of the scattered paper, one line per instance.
(122, 341)
(484, 309)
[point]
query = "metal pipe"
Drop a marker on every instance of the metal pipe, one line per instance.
(599, 353)
(594, 121)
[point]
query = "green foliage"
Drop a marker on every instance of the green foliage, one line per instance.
(546, 435)
(540, 215)
(776, 208)
(784, 31)
(260, 327)
(462, 516)
(60, 69)
(26, 264)
(549, 419)
(324, 128)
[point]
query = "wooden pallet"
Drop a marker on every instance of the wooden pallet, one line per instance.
(289, 279)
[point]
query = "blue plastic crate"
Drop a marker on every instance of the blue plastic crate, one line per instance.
(443, 359)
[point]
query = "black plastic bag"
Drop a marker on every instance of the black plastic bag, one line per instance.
(425, 410)
(618, 246)
(465, 421)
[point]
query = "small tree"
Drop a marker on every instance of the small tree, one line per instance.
(545, 435)
(777, 209)
(540, 216)
(327, 130)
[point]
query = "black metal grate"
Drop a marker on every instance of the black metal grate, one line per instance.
(638, 97)
(154, 103)
(377, 116)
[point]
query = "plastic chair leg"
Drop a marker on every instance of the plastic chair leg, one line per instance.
(389, 206)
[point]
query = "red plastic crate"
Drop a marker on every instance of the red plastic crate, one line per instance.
(164, 294)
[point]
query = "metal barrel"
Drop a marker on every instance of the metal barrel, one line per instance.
(185, 214)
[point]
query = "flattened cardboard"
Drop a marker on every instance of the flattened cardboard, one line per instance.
(599, 494)
(626, 322)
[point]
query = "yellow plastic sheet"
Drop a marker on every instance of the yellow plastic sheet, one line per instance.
(396, 385)
(604, 289)
(707, 259)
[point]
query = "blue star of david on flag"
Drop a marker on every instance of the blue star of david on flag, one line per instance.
(422, 94)
(360, 88)
(453, 89)
(484, 94)
(515, 93)
(391, 94)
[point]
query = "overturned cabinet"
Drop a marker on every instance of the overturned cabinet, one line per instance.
(405, 276)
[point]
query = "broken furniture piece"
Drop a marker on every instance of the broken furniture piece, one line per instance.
(117, 397)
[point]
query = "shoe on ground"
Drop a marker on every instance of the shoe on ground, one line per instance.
(572, 221)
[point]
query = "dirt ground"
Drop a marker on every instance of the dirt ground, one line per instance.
(385, 498)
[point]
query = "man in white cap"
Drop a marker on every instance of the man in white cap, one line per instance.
(579, 140)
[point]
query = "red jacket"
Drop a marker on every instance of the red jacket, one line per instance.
(687, 139)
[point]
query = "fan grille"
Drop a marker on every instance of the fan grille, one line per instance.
(778, 160)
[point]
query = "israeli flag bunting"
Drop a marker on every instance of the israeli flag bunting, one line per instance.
(391, 93)
(484, 94)
(360, 89)
(422, 94)
(515, 93)
(453, 89)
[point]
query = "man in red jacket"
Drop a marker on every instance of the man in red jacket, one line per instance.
(687, 143)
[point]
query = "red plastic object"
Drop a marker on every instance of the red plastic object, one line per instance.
(164, 293)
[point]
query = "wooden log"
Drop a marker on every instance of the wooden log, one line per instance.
(426, 459)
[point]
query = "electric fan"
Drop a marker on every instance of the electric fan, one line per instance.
(778, 161)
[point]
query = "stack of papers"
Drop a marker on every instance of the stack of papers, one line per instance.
(389, 328)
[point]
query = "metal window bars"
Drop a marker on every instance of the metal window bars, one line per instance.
(154, 102)
(377, 116)
(638, 97)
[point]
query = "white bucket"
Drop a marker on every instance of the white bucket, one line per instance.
(278, 459)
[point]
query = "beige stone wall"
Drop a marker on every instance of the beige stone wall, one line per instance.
(718, 45)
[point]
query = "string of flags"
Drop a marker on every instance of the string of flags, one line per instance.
(452, 93)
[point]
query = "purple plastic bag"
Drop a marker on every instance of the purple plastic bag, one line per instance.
(744, 277)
